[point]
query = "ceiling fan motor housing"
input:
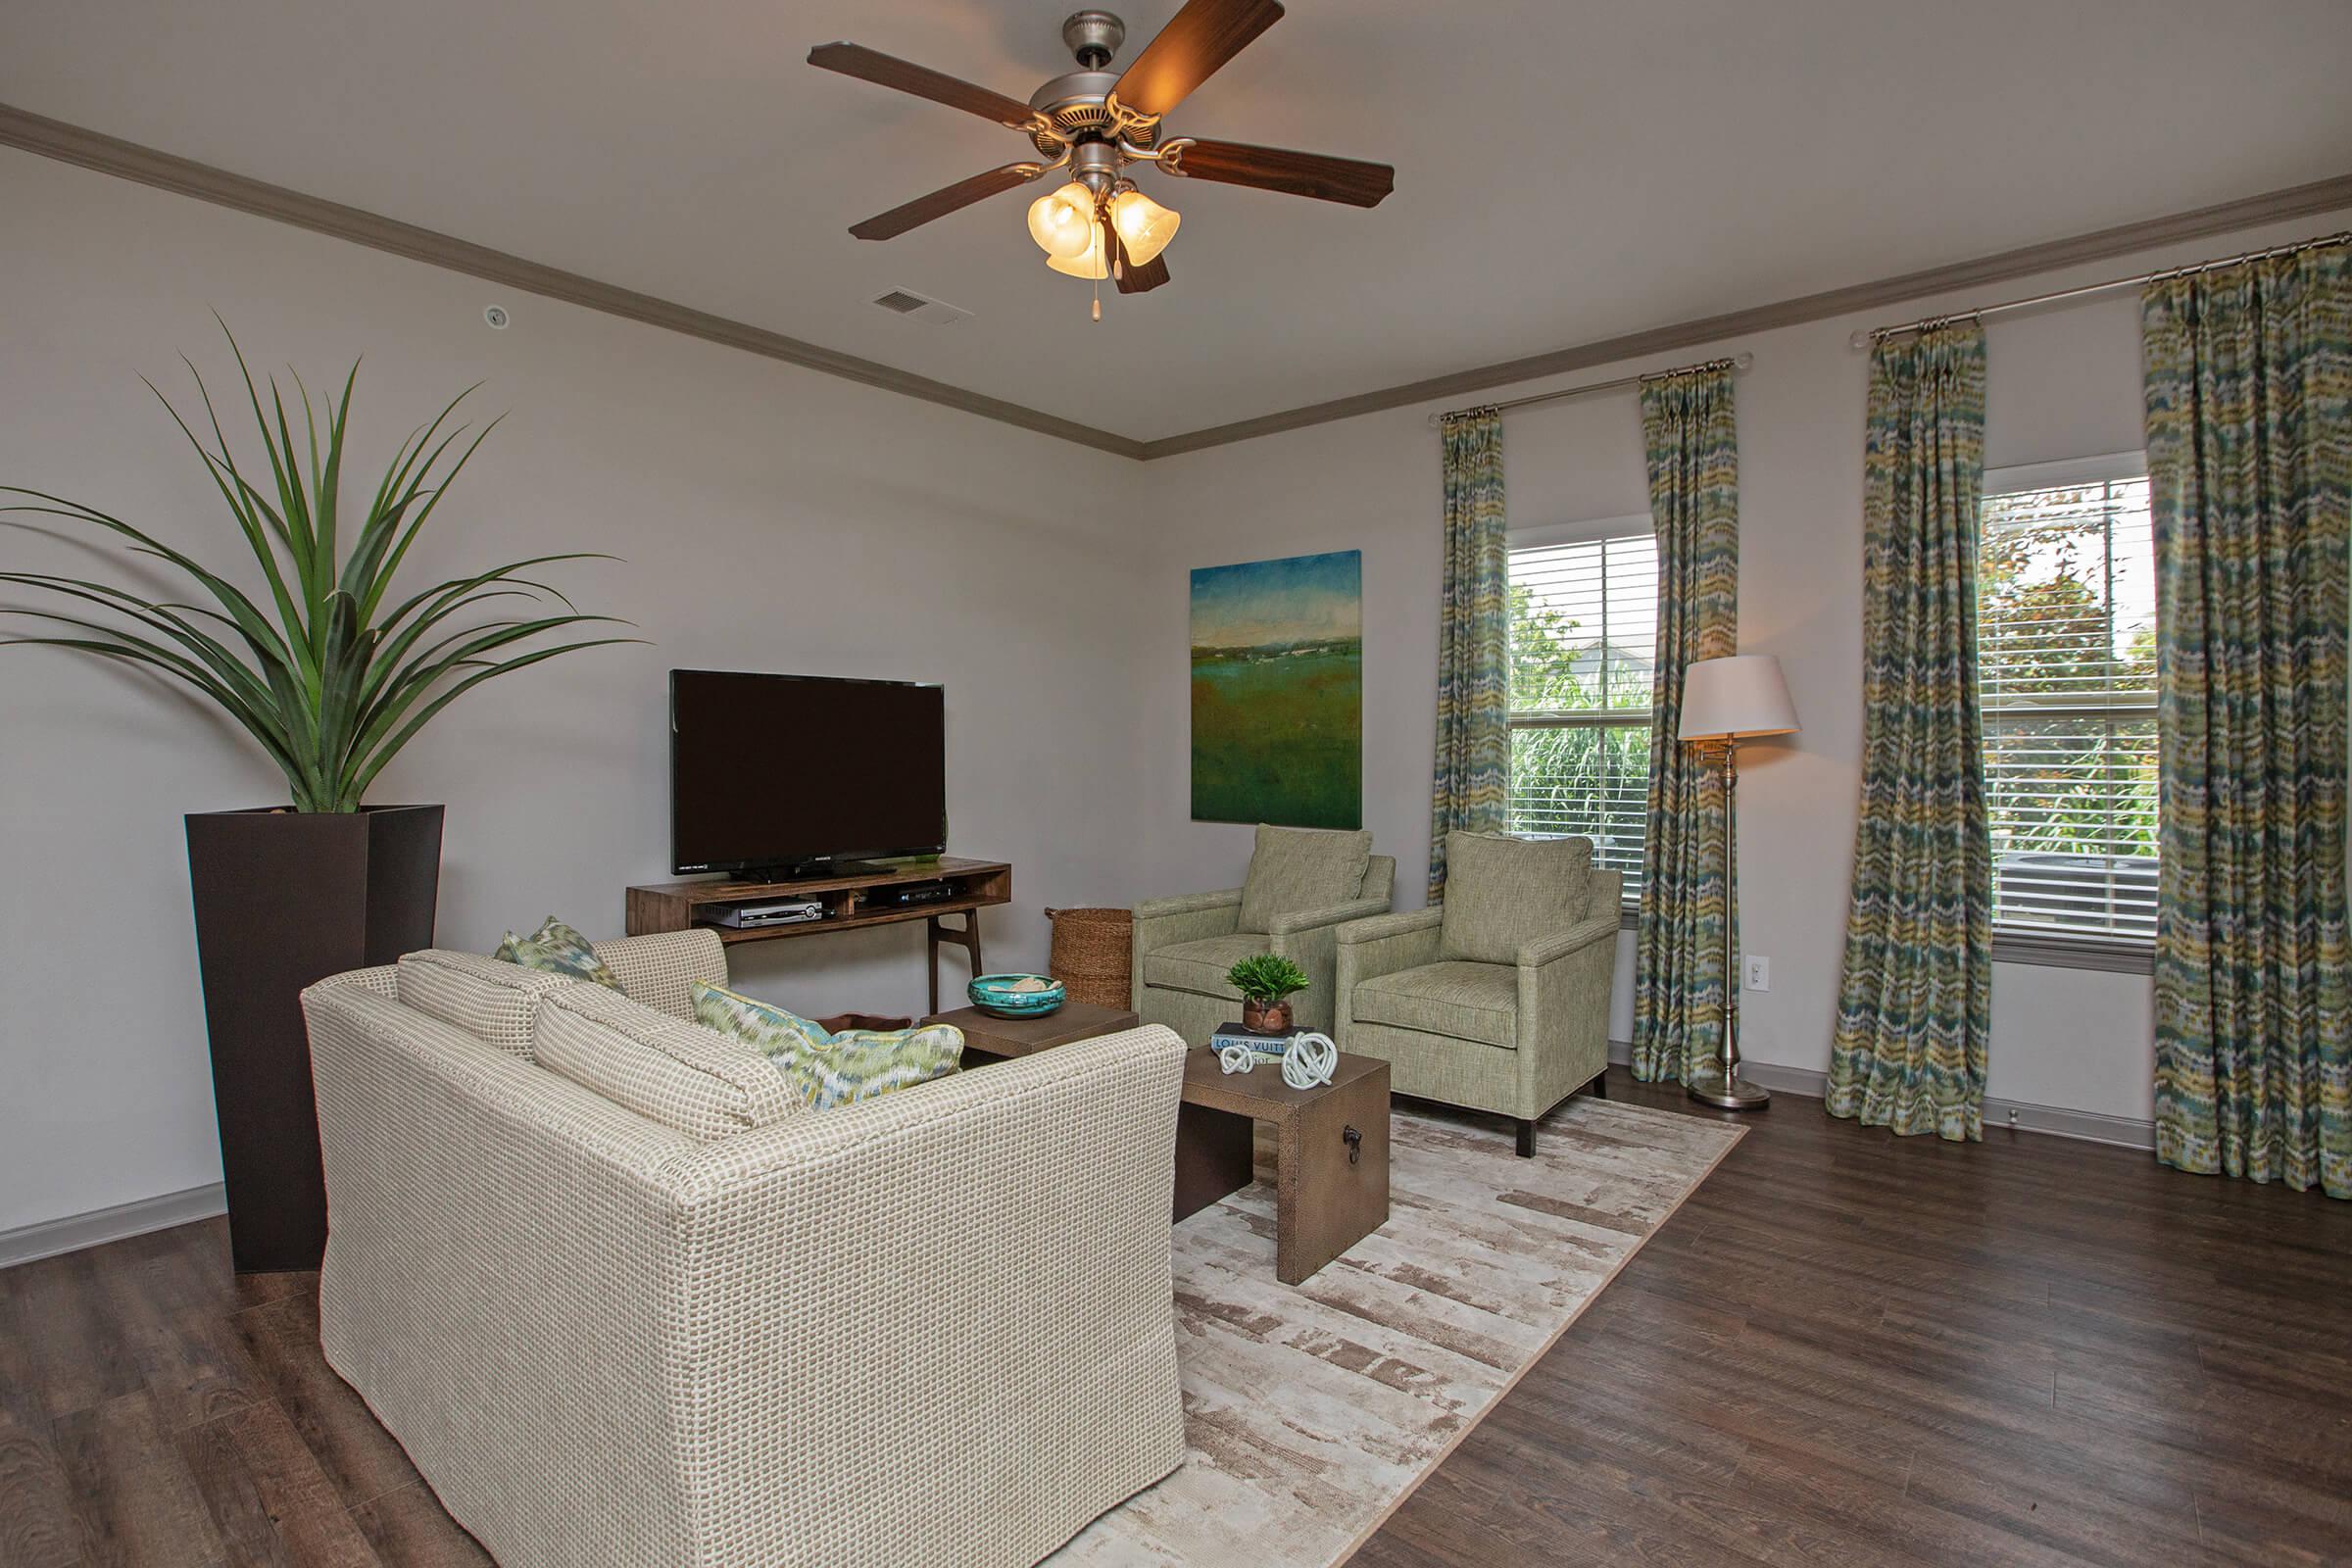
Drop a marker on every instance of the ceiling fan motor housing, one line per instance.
(1075, 105)
(1093, 37)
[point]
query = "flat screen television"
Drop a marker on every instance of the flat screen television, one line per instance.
(795, 774)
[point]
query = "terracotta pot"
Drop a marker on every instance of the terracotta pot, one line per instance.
(1266, 1017)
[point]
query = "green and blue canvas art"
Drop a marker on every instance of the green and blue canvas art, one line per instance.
(1278, 692)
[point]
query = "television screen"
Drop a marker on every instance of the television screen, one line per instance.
(795, 770)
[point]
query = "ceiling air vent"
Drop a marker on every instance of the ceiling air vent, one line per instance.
(921, 307)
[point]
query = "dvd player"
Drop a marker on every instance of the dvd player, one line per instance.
(781, 912)
(910, 895)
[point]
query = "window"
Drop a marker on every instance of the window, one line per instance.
(1584, 631)
(2067, 673)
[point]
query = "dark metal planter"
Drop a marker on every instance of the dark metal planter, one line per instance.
(284, 898)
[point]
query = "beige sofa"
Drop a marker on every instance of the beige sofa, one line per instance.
(927, 1328)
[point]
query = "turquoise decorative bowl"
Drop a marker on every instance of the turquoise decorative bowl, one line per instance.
(992, 994)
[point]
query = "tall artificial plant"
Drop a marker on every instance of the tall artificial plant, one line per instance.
(334, 676)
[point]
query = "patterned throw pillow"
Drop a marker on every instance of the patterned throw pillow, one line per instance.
(765, 1027)
(830, 1069)
(556, 949)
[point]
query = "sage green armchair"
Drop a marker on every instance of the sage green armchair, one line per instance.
(1304, 885)
(1498, 998)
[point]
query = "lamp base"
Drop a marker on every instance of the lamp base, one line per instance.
(1708, 1087)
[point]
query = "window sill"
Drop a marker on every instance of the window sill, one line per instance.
(2112, 955)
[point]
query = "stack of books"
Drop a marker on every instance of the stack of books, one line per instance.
(1265, 1046)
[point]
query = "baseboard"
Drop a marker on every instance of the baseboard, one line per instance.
(77, 1230)
(2018, 1116)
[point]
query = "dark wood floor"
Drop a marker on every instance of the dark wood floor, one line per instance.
(1845, 1348)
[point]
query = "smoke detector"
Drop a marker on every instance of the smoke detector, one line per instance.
(915, 307)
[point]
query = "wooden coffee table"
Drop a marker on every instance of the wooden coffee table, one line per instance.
(1001, 1039)
(1331, 1142)
(1331, 1152)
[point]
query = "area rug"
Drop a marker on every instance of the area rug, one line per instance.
(1312, 1411)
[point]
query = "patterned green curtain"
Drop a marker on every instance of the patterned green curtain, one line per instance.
(1909, 1051)
(2249, 411)
(1474, 739)
(1692, 443)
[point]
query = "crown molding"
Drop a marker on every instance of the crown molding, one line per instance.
(90, 149)
(110, 155)
(2297, 201)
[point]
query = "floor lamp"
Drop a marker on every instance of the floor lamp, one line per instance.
(1725, 701)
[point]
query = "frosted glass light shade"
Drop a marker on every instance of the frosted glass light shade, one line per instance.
(1739, 696)
(1089, 263)
(1063, 221)
(1144, 227)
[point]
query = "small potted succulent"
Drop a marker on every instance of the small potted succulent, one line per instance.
(1265, 981)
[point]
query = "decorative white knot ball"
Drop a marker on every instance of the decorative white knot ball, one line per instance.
(1238, 1059)
(1310, 1059)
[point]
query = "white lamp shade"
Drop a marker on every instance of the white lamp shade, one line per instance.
(1743, 695)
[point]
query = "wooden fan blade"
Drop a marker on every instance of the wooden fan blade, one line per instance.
(1131, 278)
(1196, 42)
(888, 71)
(1144, 279)
(1325, 178)
(940, 203)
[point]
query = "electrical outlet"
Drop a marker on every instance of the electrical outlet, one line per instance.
(1759, 974)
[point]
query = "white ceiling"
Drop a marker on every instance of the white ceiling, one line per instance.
(1564, 171)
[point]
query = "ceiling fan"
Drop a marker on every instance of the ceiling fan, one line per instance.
(1096, 122)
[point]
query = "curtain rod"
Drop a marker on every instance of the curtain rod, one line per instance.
(1738, 361)
(1863, 339)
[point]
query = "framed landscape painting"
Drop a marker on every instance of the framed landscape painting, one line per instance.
(1278, 692)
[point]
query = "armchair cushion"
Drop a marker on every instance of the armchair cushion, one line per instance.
(1503, 894)
(1302, 868)
(1200, 967)
(1461, 1001)
(1291, 922)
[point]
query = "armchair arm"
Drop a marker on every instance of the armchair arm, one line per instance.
(1560, 944)
(1309, 939)
(1190, 904)
(1296, 920)
(1565, 983)
(1383, 927)
(1164, 922)
(1381, 944)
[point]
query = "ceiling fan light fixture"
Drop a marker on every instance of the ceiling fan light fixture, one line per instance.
(1090, 263)
(1063, 221)
(1144, 227)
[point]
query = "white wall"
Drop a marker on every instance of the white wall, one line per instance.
(2060, 383)
(770, 517)
(775, 519)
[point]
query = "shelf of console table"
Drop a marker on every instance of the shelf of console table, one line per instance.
(683, 906)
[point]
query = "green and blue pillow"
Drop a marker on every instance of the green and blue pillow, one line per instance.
(556, 949)
(827, 1069)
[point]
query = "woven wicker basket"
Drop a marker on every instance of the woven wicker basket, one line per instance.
(1094, 954)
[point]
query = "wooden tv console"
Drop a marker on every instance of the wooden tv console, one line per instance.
(847, 901)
